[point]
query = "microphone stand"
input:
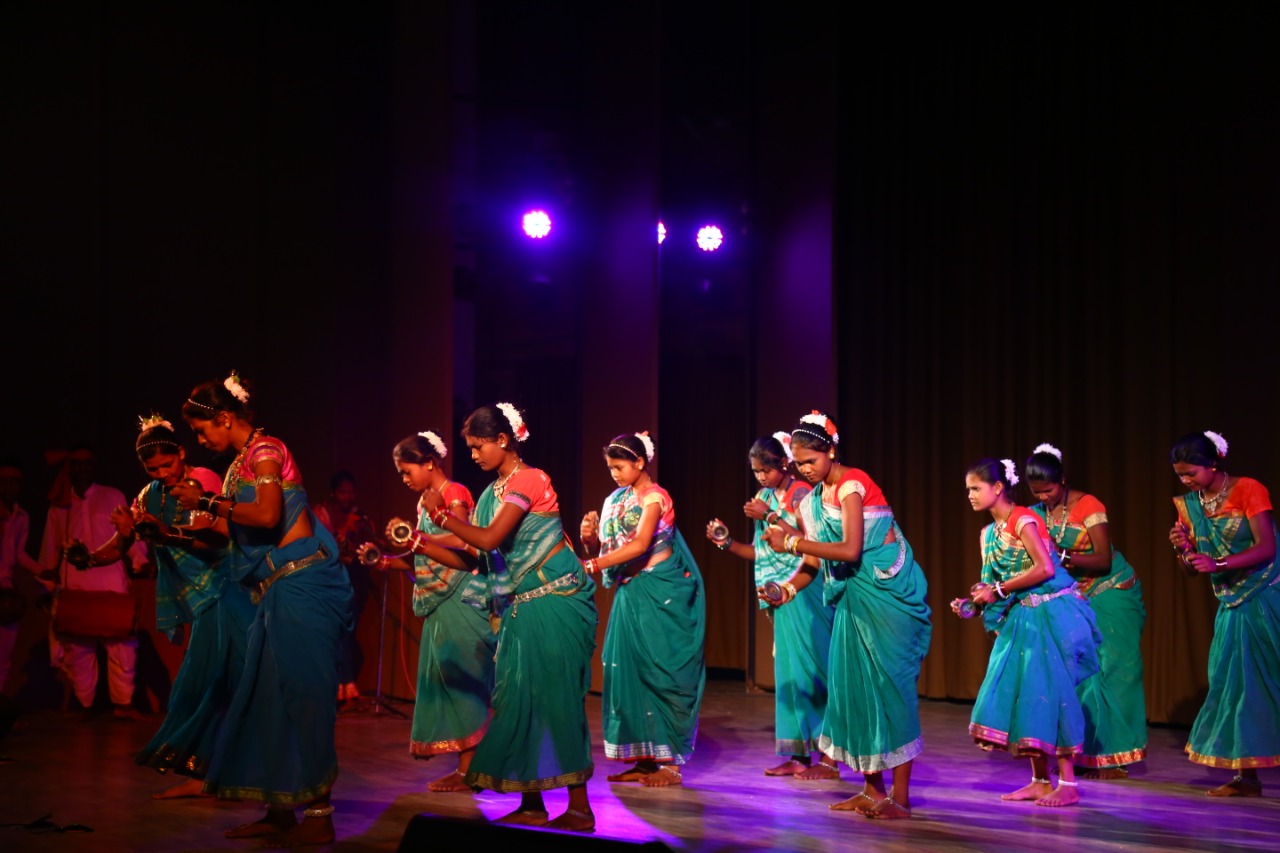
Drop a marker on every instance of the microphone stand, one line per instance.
(379, 701)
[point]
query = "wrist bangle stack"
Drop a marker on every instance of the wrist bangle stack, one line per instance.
(999, 589)
(591, 565)
(202, 503)
(789, 589)
(791, 544)
(440, 516)
(724, 543)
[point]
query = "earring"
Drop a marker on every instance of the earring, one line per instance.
(503, 445)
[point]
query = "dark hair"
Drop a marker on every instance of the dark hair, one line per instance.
(1044, 466)
(488, 422)
(155, 439)
(208, 398)
(770, 453)
(811, 436)
(416, 450)
(627, 446)
(989, 470)
(1195, 448)
(339, 477)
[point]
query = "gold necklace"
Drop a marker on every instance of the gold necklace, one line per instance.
(500, 486)
(1211, 505)
(233, 470)
(1062, 519)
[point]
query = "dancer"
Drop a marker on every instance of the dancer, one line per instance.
(1226, 529)
(1046, 640)
(538, 738)
(191, 588)
(455, 658)
(277, 743)
(881, 629)
(1115, 708)
(654, 666)
(801, 628)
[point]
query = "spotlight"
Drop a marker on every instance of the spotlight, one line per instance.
(710, 238)
(537, 224)
(662, 233)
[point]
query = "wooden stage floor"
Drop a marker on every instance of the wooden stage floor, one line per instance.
(82, 772)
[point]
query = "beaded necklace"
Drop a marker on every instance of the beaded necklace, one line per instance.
(1062, 519)
(500, 486)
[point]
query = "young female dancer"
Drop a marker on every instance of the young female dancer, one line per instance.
(538, 739)
(1226, 530)
(1046, 640)
(1115, 708)
(455, 657)
(801, 627)
(654, 669)
(881, 629)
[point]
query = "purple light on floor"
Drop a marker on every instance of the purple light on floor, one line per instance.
(710, 238)
(537, 224)
(662, 233)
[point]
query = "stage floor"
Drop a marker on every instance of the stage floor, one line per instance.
(82, 772)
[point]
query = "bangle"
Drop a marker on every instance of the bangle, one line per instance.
(792, 544)
(214, 503)
(202, 503)
(1221, 564)
(724, 544)
(790, 590)
(591, 565)
(440, 516)
(772, 517)
(231, 508)
(999, 588)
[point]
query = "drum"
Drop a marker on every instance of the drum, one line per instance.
(95, 613)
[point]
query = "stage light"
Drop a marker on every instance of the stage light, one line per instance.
(537, 224)
(662, 233)
(710, 238)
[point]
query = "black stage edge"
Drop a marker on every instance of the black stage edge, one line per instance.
(425, 831)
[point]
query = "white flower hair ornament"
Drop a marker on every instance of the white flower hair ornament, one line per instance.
(437, 443)
(819, 419)
(648, 445)
(1218, 441)
(232, 384)
(784, 438)
(1048, 448)
(1010, 471)
(521, 432)
(153, 420)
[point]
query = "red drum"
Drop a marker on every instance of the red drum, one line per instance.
(95, 613)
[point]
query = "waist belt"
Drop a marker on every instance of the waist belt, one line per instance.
(1114, 583)
(552, 588)
(256, 593)
(1035, 599)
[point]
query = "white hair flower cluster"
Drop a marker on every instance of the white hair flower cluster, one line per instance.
(153, 420)
(437, 443)
(1218, 441)
(520, 431)
(819, 419)
(1048, 448)
(1010, 471)
(648, 445)
(232, 384)
(784, 438)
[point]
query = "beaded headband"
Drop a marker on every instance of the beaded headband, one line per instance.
(634, 455)
(204, 406)
(826, 439)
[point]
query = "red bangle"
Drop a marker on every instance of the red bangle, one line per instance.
(440, 516)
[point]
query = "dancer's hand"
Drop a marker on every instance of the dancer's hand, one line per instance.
(756, 508)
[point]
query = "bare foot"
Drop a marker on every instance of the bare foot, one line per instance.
(861, 802)
(1101, 773)
(819, 771)
(185, 788)
(634, 774)
(1237, 787)
(312, 830)
(662, 777)
(1063, 795)
(454, 781)
(574, 821)
(889, 809)
(787, 768)
(1030, 791)
(275, 822)
(524, 817)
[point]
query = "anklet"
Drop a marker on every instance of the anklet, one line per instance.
(1062, 782)
(322, 811)
(1041, 781)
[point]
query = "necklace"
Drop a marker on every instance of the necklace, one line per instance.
(233, 470)
(1056, 535)
(1210, 505)
(500, 486)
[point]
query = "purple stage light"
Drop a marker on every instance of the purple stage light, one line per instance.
(537, 224)
(710, 238)
(662, 233)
